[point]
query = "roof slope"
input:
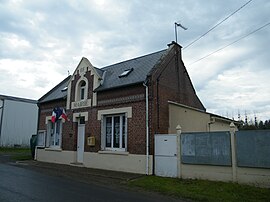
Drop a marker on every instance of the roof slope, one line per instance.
(56, 93)
(141, 67)
(6, 97)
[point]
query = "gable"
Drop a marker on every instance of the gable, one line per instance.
(83, 81)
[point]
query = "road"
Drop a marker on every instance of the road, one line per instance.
(20, 183)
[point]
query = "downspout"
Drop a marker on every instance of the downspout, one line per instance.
(2, 116)
(147, 128)
(38, 105)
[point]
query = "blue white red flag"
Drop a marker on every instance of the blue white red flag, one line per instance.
(57, 113)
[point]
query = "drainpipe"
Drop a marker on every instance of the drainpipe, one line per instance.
(2, 116)
(147, 129)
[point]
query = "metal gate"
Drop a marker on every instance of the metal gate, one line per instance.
(166, 155)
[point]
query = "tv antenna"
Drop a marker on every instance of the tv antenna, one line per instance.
(177, 24)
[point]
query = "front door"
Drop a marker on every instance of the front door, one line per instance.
(80, 143)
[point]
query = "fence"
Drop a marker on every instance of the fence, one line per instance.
(238, 156)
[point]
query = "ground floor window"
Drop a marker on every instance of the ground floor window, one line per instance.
(54, 134)
(115, 132)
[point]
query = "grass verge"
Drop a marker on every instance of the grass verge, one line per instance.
(17, 154)
(202, 190)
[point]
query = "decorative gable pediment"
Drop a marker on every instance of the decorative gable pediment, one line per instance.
(85, 79)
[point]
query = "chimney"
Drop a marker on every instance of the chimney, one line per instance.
(179, 47)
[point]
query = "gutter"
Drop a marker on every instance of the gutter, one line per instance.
(147, 128)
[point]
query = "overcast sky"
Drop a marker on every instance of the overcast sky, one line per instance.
(41, 40)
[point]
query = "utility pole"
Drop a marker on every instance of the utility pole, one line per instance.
(175, 29)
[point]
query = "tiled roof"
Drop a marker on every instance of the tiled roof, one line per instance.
(141, 67)
(57, 92)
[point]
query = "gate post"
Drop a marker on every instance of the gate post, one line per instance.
(178, 149)
(233, 153)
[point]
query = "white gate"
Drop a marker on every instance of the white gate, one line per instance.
(166, 155)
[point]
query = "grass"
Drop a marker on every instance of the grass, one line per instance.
(18, 154)
(202, 190)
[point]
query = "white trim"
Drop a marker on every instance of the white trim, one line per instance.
(81, 104)
(58, 149)
(68, 95)
(114, 152)
(78, 115)
(49, 118)
(78, 89)
(127, 110)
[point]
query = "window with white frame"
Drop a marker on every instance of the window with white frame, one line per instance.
(115, 128)
(54, 133)
(82, 90)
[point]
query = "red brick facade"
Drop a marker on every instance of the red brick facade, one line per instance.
(168, 80)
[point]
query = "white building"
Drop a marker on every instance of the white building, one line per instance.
(18, 121)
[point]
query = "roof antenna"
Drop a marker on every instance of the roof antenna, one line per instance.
(68, 73)
(177, 24)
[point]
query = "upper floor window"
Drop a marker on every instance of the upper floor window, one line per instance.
(82, 90)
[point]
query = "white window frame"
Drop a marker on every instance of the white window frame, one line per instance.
(41, 138)
(52, 133)
(79, 88)
(82, 91)
(121, 132)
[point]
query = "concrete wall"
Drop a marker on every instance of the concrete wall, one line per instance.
(55, 156)
(124, 162)
(189, 119)
(219, 173)
(19, 123)
(252, 176)
(245, 175)
(194, 120)
(118, 162)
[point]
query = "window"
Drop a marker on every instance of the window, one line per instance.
(115, 132)
(54, 133)
(82, 90)
(125, 73)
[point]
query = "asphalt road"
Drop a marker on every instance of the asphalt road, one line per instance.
(22, 183)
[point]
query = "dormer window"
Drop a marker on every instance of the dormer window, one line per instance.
(64, 89)
(125, 73)
(82, 90)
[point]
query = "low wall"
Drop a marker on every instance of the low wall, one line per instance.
(219, 173)
(123, 162)
(241, 157)
(252, 176)
(55, 156)
(117, 162)
(255, 176)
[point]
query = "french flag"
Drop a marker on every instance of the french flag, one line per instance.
(57, 113)
(64, 115)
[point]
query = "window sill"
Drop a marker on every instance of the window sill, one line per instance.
(114, 152)
(53, 149)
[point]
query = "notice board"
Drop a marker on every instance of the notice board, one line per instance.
(209, 148)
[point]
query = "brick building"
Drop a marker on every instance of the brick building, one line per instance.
(114, 111)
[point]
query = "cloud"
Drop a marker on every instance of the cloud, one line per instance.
(41, 40)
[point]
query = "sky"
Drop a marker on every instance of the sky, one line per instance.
(42, 40)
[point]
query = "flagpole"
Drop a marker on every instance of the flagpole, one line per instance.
(175, 29)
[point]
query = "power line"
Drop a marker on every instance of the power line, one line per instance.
(231, 43)
(217, 24)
